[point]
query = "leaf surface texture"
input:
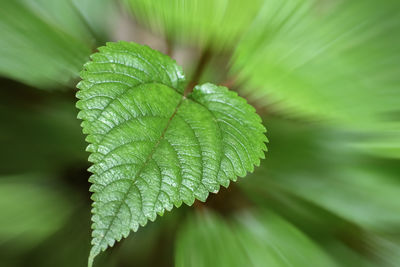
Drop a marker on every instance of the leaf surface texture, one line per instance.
(151, 146)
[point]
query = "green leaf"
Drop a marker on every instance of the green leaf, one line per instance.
(153, 147)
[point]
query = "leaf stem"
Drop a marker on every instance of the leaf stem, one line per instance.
(170, 47)
(96, 248)
(198, 71)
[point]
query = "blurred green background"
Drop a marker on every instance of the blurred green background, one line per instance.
(323, 74)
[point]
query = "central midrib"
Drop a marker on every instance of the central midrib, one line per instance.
(143, 166)
(150, 155)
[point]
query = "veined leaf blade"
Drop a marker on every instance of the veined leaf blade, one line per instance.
(153, 147)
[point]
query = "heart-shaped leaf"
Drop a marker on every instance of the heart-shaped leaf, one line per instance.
(151, 146)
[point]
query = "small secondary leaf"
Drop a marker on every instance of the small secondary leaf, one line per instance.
(154, 147)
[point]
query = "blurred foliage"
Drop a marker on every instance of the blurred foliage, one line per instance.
(334, 61)
(30, 212)
(328, 174)
(328, 190)
(203, 23)
(264, 239)
(39, 131)
(323, 73)
(44, 44)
